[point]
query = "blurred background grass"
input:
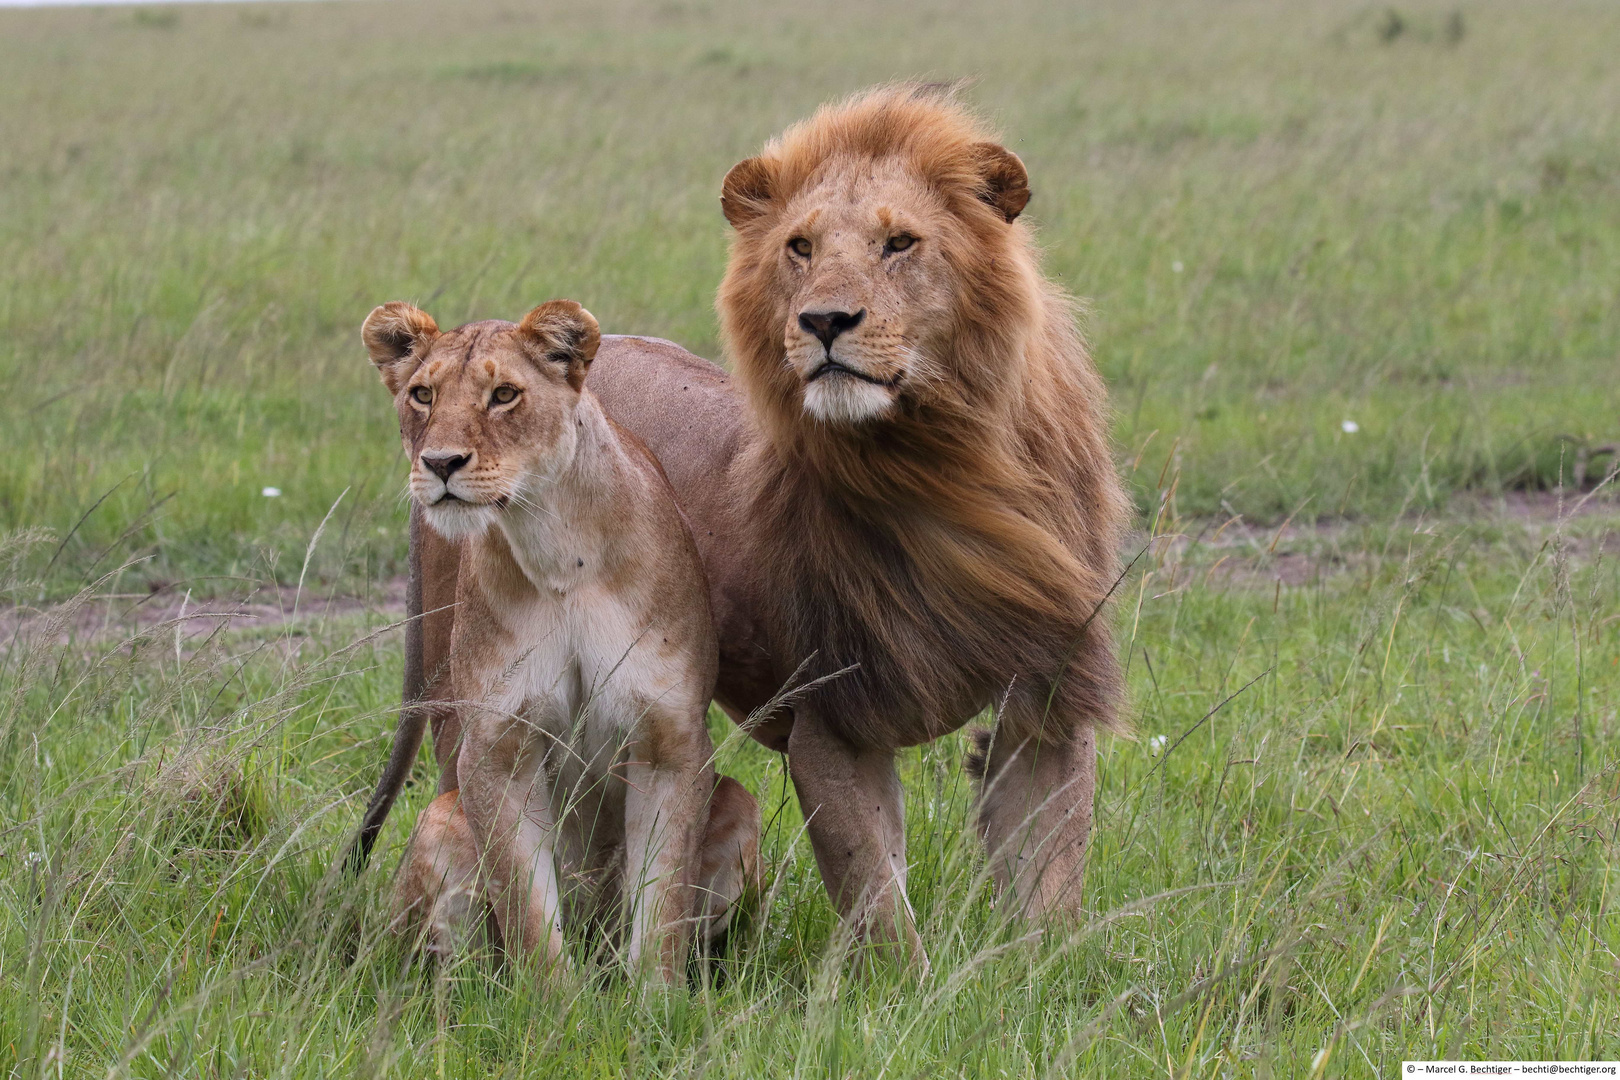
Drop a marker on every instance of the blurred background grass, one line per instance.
(1285, 216)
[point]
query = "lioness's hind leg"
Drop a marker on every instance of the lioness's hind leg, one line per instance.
(436, 893)
(728, 865)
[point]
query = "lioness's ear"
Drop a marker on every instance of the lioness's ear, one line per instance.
(562, 332)
(745, 193)
(1004, 180)
(398, 336)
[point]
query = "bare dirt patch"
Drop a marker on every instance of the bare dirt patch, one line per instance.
(1231, 551)
(1226, 551)
(118, 616)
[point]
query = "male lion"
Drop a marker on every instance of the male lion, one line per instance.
(906, 493)
(583, 651)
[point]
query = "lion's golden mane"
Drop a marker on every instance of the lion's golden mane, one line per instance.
(962, 547)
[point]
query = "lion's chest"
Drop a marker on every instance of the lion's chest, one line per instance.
(907, 653)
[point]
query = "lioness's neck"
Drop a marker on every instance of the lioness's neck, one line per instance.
(558, 527)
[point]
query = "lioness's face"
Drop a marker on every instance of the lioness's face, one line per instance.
(486, 410)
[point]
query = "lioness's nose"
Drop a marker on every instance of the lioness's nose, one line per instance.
(442, 463)
(827, 325)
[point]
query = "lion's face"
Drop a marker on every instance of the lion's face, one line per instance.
(858, 268)
(867, 291)
(485, 411)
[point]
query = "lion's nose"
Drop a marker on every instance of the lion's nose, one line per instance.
(442, 463)
(827, 325)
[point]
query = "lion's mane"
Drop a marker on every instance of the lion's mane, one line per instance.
(961, 550)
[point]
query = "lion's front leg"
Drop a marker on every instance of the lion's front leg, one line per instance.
(1035, 816)
(855, 812)
(507, 800)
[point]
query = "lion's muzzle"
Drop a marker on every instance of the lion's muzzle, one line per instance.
(836, 367)
(825, 326)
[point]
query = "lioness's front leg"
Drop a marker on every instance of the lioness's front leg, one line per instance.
(1035, 815)
(507, 801)
(855, 811)
(665, 811)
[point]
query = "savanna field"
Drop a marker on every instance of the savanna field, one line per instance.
(1352, 275)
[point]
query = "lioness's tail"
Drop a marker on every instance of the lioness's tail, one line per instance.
(413, 714)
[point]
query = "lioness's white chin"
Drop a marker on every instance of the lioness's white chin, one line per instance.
(843, 399)
(457, 520)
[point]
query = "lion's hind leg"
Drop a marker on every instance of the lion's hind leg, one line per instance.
(437, 898)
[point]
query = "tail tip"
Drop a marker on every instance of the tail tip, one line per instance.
(978, 758)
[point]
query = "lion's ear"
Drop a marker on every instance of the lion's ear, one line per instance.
(562, 332)
(1004, 182)
(398, 336)
(745, 193)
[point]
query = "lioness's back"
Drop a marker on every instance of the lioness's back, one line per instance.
(692, 417)
(666, 396)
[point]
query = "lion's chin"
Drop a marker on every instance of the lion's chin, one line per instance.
(456, 520)
(843, 399)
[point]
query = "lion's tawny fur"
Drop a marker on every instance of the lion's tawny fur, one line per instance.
(963, 544)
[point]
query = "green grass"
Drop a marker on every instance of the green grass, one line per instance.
(1414, 234)
(1400, 840)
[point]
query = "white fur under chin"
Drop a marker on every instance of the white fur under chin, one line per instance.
(840, 399)
(458, 520)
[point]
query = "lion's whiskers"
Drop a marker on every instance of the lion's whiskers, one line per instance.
(920, 370)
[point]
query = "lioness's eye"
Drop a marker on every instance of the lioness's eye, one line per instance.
(505, 395)
(899, 242)
(422, 395)
(800, 246)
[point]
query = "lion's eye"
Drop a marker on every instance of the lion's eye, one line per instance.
(800, 247)
(422, 395)
(504, 395)
(899, 242)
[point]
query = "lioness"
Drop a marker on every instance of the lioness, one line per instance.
(582, 658)
(909, 474)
